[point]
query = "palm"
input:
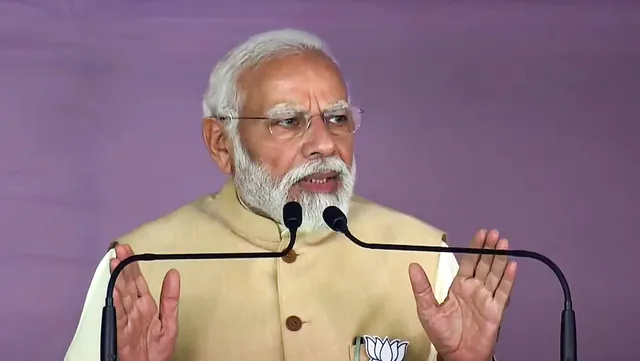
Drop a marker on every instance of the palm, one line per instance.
(142, 334)
(145, 332)
(469, 321)
(465, 326)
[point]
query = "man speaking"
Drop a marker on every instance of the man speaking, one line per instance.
(278, 120)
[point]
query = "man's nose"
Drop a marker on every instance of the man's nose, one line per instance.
(318, 142)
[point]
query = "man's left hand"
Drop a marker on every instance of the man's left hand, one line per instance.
(465, 326)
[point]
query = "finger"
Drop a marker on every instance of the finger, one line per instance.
(137, 276)
(123, 252)
(121, 287)
(486, 260)
(122, 321)
(169, 298)
(469, 261)
(497, 268)
(121, 314)
(423, 292)
(503, 292)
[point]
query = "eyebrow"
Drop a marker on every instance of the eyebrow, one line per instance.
(339, 105)
(281, 109)
(286, 109)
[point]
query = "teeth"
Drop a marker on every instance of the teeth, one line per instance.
(319, 181)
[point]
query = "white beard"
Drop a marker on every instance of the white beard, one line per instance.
(262, 193)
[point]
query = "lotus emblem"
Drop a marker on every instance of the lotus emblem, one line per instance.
(379, 349)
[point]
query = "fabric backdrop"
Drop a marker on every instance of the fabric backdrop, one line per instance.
(517, 115)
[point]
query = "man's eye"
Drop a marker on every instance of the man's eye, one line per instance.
(338, 119)
(287, 123)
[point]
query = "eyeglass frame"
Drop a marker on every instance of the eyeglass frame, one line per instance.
(308, 118)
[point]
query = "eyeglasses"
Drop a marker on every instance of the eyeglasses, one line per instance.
(339, 122)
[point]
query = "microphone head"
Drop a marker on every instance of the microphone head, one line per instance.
(335, 219)
(292, 215)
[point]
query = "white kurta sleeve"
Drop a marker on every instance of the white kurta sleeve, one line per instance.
(85, 345)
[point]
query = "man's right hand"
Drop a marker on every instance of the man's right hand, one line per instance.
(145, 332)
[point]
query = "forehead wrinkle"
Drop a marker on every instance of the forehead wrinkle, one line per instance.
(334, 106)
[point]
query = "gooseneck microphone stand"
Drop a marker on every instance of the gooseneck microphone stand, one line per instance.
(292, 216)
(337, 221)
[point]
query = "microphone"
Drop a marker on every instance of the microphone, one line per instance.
(337, 221)
(292, 219)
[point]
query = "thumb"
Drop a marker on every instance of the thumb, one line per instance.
(169, 297)
(425, 299)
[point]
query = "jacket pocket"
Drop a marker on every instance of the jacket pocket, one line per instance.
(357, 351)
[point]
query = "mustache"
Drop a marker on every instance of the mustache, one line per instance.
(300, 172)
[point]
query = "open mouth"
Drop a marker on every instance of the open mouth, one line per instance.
(326, 182)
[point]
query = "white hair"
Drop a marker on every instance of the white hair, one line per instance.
(222, 98)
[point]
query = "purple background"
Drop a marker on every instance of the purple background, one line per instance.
(516, 115)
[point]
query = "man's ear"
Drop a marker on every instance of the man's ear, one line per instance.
(218, 143)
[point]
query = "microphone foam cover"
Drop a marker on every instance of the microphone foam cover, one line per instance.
(292, 215)
(335, 218)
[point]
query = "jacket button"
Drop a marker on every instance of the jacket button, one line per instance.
(293, 323)
(290, 257)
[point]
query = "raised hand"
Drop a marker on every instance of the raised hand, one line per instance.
(145, 332)
(465, 326)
